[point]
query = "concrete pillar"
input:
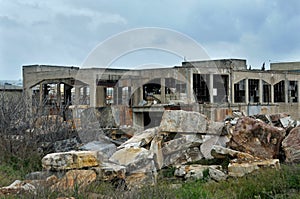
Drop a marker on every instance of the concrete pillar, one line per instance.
(260, 90)
(93, 94)
(77, 95)
(298, 91)
(137, 96)
(211, 88)
(163, 90)
(286, 91)
(120, 93)
(100, 96)
(272, 94)
(58, 95)
(246, 91)
(115, 96)
(189, 85)
(41, 94)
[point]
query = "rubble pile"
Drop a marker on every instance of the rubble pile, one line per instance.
(185, 141)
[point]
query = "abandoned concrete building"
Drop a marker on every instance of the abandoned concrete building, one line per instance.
(216, 88)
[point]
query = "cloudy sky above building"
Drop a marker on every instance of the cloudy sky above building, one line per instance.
(64, 32)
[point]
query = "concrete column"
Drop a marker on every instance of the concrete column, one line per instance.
(120, 93)
(298, 91)
(41, 94)
(137, 96)
(189, 85)
(115, 96)
(272, 94)
(246, 91)
(93, 94)
(100, 96)
(163, 90)
(286, 91)
(77, 95)
(58, 95)
(260, 90)
(211, 88)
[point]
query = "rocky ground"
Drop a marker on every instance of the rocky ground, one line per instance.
(185, 141)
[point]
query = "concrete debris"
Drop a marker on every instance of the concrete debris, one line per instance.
(291, 146)
(241, 169)
(247, 143)
(109, 171)
(104, 149)
(70, 160)
(197, 172)
(220, 152)
(180, 121)
(141, 139)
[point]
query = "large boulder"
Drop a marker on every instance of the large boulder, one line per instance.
(70, 160)
(209, 142)
(291, 146)
(257, 138)
(183, 122)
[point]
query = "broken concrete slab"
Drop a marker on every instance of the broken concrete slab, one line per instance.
(141, 139)
(291, 146)
(196, 172)
(135, 159)
(257, 138)
(220, 152)
(241, 169)
(70, 160)
(209, 142)
(183, 122)
(156, 148)
(182, 157)
(103, 148)
(109, 171)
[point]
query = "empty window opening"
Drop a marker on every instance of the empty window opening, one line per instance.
(239, 91)
(200, 87)
(253, 85)
(279, 93)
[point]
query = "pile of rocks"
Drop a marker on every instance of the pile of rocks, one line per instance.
(183, 139)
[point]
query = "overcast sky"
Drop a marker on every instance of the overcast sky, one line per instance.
(64, 32)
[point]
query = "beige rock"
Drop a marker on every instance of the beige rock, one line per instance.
(241, 169)
(70, 160)
(75, 178)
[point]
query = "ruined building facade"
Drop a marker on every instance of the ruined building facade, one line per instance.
(215, 88)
